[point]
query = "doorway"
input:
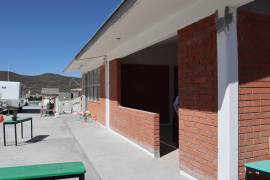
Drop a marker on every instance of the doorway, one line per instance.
(149, 82)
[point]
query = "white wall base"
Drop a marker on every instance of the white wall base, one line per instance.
(183, 173)
(126, 139)
(133, 143)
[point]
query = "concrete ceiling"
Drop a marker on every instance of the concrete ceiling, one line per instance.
(144, 24)
(258, 6)
(139, 18)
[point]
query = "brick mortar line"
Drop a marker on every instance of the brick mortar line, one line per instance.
(255, 112)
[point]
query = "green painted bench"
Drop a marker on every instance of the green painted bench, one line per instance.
(44, 171)
(258, 170)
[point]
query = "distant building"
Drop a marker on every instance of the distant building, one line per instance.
(64, 96)
(76, 92)
(50, 91)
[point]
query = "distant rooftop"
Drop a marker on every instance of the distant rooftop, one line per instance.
(50, 91)
(76, 89)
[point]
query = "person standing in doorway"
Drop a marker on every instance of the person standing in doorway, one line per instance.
(175, 120)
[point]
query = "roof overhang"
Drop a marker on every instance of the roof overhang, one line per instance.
(138, 24)
(86, 64)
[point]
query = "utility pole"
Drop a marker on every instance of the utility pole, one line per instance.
(72, 79)
(8, 72)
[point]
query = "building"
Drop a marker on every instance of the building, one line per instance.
(50, 91)
(214, 54)
(77, 92)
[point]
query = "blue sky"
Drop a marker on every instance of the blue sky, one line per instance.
(42, 36)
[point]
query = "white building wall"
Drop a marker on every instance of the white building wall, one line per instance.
(228, 101)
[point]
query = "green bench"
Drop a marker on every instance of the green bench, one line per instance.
(44, 171)
(258, 170)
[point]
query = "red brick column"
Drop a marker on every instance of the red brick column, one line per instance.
(254, 87)
(97, 108)
(198, 99)
(139, 126)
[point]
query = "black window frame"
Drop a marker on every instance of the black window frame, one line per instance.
(92, 85)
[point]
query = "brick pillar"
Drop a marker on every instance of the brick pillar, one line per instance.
(115, 90)
(115, 81)
(198, 99)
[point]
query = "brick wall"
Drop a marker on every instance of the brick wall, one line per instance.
(97, 108)
(139, 126)
(198, 99)
(254, 87)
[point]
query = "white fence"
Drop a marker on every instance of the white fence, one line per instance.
(76, 105)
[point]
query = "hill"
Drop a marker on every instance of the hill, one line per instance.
(48, 80)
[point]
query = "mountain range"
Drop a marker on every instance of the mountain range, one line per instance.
(34, 84)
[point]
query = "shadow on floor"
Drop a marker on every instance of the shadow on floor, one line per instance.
(166, 148)
(31, 111)
(168, 143)
(37, 139)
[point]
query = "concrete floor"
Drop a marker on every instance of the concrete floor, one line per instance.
(68, 138)
(59, 145)
(116, 159)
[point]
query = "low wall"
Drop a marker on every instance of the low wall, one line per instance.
(63, 107)
(70, 106)
(76, 105)
(98, 110)
(139, 126)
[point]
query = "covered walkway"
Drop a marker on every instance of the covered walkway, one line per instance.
(115, 158)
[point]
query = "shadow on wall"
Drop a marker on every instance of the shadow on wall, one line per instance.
(254, 85)
(145, 87)
(198, 67)
(198, 76)
(254, 49)
(198, 89)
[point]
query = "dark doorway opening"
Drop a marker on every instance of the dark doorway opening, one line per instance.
(145, 88)
(149, 82)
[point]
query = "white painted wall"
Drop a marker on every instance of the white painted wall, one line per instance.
(107, 92)
(228, 102)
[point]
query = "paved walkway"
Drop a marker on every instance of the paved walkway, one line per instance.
(115, 159)
(58, 145)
